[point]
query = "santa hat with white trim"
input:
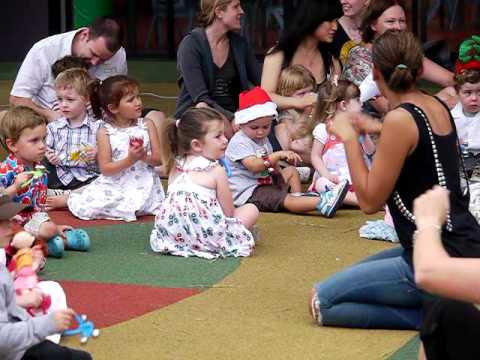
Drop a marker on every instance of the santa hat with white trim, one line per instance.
(253, 104)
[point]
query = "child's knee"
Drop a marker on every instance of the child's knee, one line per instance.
(47, 230)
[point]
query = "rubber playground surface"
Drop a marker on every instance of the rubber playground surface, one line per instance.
(149, 306)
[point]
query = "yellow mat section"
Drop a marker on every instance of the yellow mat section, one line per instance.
(260, 311)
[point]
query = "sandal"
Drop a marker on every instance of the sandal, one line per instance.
(77, 239)
(56, 247)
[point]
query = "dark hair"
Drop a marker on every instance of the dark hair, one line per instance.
(178, 134)
(329, 95)
(310, 15)
(398, 56)
(109, 92)
(109, 29)
(374, 10)
(471, 76)
(68, 62)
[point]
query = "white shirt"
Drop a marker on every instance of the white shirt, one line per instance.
(35, 79)
(468, 128)
(368, 88)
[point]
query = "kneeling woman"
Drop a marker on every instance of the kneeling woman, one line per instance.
(417, 149)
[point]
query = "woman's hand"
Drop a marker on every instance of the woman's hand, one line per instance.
(432, 207)
(308, 100)
(342, 126)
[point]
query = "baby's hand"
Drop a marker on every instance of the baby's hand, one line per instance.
(52, 157)
(63, 319)
(21, 179)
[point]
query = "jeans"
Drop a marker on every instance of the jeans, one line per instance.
(51, 351)
(377, 293)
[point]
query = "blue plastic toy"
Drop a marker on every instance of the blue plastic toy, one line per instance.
(86, 329)
(226, 165)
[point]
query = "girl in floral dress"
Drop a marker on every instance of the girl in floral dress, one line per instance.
(197, 217)
(128, 151)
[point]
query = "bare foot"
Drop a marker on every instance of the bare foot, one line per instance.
(57, 202)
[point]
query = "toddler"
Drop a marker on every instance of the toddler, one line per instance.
(256, 177)
(71, 139)
(328, 152)
(128, 151)
(23, 133)
(466, 113)
(198, 217)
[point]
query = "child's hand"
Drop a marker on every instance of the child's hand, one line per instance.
(52, 157)
(21, 179)
(91, 154)
(136, 153)
(63, 319)
(291, 157)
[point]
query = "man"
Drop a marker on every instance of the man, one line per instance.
(100, 45)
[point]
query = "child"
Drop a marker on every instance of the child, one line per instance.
(328, 153)
(256, 177)
(23, 336)
(467, 83)
(198, 217)
(128, 150)
(74, 133)
(293, 132)
(23, 132)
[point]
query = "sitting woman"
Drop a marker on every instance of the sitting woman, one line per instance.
(307, 42)
(417, 149)
(380, 16)
(215, 63)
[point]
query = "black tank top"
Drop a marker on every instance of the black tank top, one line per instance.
(419, 174)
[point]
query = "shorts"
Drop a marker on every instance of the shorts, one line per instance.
(33, 225)
(270, 198)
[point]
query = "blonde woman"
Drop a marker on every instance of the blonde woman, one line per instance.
(215, 63)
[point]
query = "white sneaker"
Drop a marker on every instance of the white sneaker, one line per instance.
(332, 199)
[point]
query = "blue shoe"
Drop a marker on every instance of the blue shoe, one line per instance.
(77, 239)
(332, 199)
(56, 247)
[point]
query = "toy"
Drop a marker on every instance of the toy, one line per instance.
(81, 154)
(136, 141)
(37, 173)
(24, 271)
(86, 329)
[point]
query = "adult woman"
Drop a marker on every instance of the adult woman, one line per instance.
(214, 62)
(307, 42)
(380, 16)
(414, 152)
(348, 33)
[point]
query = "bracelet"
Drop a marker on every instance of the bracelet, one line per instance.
(268, 164)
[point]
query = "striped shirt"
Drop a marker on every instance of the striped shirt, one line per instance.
(64, 139)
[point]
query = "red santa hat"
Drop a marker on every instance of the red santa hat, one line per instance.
(254, 104)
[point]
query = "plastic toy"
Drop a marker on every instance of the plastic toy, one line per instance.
(86, 329)
(37, 173)
(23, 268)
(136, 141)
(81, 153)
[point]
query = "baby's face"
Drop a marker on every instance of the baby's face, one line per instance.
(6, 232)
(469, 95)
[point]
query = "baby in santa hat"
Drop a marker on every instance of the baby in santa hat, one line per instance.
(256, 176)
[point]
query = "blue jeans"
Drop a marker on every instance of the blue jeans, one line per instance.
(377, 293)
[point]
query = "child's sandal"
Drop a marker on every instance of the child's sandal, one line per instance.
(56, 247)
(77, 239)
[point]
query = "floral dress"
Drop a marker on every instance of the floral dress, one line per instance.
(192, 223)
(134, 191)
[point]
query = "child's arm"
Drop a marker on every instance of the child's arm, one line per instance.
(317, 162)
(224, 195)
(256, 165)
(282, 135)
(105, 163)
(154, 159)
